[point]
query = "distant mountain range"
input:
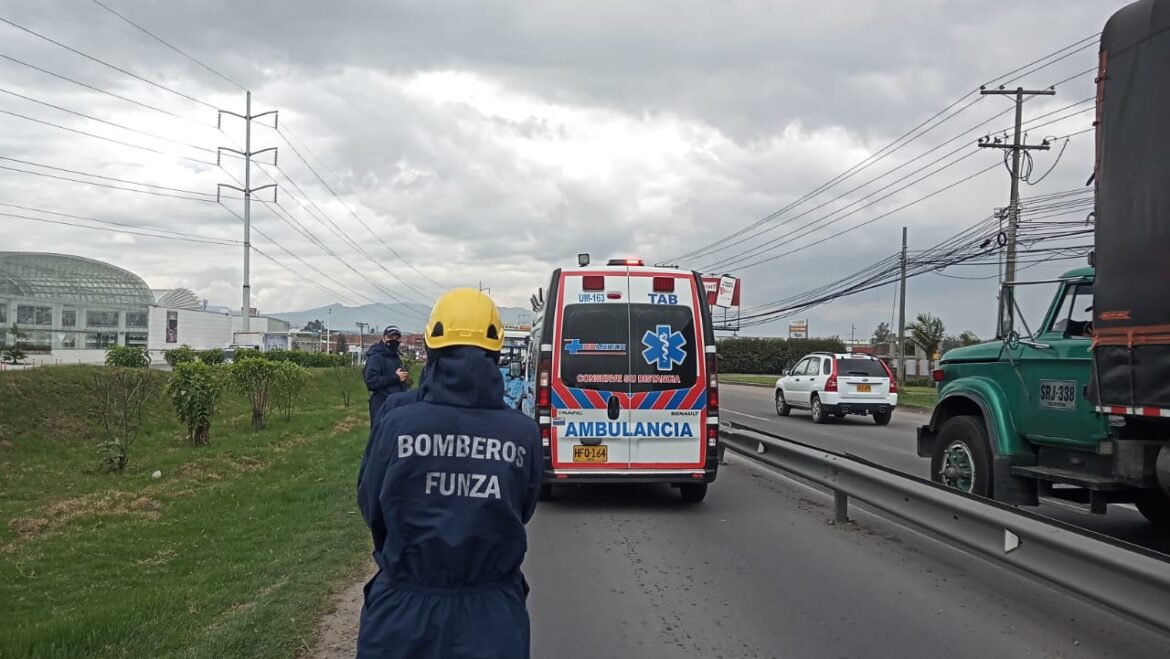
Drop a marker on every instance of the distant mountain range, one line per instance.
(409, 317)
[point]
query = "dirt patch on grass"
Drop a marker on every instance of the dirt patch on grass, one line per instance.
(345, 425)
(161, 557)
(337, 631)
(6, 445)
(100, 504)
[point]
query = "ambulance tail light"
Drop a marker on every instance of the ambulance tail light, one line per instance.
(712, 385)
(546, 436)
(712, 436)
(543, 386)
(593, 283)
(664, 284)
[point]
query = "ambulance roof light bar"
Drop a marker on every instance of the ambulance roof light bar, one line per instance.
(638, 262)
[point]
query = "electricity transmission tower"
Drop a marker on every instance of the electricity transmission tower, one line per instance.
(247, 191)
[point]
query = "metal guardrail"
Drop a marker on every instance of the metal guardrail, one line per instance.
(1133, 581)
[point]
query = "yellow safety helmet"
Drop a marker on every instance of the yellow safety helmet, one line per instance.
(465, 317)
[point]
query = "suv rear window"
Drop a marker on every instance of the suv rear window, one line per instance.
(613, 347)
(867, 367)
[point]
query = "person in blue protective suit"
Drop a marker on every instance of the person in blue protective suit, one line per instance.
(514, 386)
(448, 486)
(384, 373)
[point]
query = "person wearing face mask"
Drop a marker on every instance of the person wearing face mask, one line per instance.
(384, 373)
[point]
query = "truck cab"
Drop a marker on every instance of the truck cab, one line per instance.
(1016, 419)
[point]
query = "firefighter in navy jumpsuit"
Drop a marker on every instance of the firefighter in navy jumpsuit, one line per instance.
(446, 488)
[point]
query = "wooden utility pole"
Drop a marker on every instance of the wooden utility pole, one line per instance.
(1017, 147)
(902, 318)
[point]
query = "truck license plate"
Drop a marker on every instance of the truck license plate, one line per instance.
(1058, 394)
(591, 453)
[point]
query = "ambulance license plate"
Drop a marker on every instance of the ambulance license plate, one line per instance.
(590, 454)
(863, 388)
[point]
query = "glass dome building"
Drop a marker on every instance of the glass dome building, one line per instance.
(69, 302)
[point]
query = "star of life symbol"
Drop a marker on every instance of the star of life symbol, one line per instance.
(664, 348)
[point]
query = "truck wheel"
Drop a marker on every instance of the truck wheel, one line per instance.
(883, 418)
(818, 411)
(1154, 505)
(693, 492)
(962, 456)
(546, 492)
(782, 407)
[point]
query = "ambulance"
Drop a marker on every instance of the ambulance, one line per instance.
(623, 377)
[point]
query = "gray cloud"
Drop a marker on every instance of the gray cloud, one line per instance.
(494, 141)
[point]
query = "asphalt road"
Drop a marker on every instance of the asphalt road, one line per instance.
(893, 446)
(757, 570)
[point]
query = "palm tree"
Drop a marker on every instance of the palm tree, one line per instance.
(928, 332)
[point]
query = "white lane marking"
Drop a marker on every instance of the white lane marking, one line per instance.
(750, 416)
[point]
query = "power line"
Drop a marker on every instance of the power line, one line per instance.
(324, 219)
(169, 45)
(106, 178)
(889, 149)
(102, 91)
(208, 241)
(103, 138)
(105, 121)
(352, 213)
(759, 249)
(103, 185)
(193, 236)
(107, 64)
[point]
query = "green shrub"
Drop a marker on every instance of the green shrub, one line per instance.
(15, 352)
(342, 375)
(279, 355)
(289, 385)
(768, 356)
(255, 378)
(919, 381)
(120, 394)
(212, 356)
(127, 357)
(181, 355)
(247, 353)
(194, 390)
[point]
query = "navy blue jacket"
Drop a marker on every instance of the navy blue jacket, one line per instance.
(381, 371)
(381, 376)
(446, 488)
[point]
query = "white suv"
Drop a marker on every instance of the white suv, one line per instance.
(829, 384)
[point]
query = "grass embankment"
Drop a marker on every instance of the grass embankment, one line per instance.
(920, 397)
(231, 553)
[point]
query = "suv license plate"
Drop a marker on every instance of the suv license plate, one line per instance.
(863, 388)
(591, 453)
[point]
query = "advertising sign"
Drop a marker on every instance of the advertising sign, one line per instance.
(722, 291)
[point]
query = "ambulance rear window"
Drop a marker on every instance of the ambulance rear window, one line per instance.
(663, 341)
(595, 346)
(635, 347)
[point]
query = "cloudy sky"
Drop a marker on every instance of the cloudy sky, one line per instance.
(467, 142)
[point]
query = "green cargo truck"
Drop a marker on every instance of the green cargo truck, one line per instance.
(1078, 407)
(1016, 420)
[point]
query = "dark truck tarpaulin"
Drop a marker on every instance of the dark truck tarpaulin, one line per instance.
(1132, 241)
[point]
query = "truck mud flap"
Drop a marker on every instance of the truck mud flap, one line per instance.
(1009, 488)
